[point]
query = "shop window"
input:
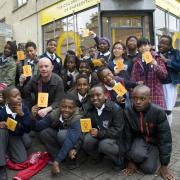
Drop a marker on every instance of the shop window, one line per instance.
(120, 27)
(68, 31)
(172, 23)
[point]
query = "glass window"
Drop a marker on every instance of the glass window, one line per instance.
(123, 26)
(172, 23)
(159, 19)
(68, 31)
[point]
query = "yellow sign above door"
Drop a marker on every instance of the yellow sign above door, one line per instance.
(64, 8)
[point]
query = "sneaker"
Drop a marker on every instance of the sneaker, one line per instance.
(3, 173)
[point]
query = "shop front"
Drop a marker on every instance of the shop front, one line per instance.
(115, 19)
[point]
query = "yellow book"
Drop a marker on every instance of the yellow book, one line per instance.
(97, 62)
(85, 32)
(120, 89)
(43, 99)
(147, 56)
(86, 125)
(27, 71)
(11, 124)
(20, 55)
(120, 65)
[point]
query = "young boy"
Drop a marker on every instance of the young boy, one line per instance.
(12, 141)
(152, 73)
(51, 54)
(65, 132)
(171, 58)
(107, 127)
(80, 92)
(31, 59)
(148, 135)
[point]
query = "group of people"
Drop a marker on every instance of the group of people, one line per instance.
(131, 129)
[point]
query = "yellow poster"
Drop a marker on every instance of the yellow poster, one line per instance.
(119, 89)
(86, 125)
(85, 32)
(11, 124)
(43, 99)
(27, 71)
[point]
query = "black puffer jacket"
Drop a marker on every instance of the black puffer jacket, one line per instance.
(151, 125)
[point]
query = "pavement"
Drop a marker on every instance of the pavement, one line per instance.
(104, 171)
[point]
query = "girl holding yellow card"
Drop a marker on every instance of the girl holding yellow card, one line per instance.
(118, 64)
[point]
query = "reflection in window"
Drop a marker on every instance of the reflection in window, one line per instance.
(68, 31)
(21, 2)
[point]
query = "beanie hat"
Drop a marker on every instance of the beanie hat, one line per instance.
(105, 39)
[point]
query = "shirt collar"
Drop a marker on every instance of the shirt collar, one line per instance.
(105, 54)
(133, 54)
(61, 119)
(8, 110)
(80, 97)
(100, 110)
(51, 56)
(108, 87)
(71, 73)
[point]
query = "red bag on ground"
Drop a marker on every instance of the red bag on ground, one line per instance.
(34, 163)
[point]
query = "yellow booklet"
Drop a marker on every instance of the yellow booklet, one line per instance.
(147, 56)
(120, 65)
(97, 62)
(27, 71)
(120, 89)
(11, 124)
(43, 99)
(20, 55)
(85, 32)
(86, 125)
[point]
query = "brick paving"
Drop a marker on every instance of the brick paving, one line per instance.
(103, 171)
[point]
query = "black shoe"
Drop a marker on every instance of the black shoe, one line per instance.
(3, 173)
(72, 164)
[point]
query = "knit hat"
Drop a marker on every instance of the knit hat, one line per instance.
(105, 39)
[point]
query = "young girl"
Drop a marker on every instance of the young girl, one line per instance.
(8, 65)
(69, 74)
(151, 73)
(12, 141)
(118, 55)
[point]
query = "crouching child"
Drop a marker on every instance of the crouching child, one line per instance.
(149, 141)
(14, 123)
(105, 137)
(64, 132)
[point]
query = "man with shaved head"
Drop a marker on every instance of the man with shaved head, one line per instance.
(45, 82)
(149, 141)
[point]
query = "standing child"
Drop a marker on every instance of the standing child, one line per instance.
(171, 58)
(119, 56)
(8, 65)
(12, 141)
(152, 73)
(69, 73)
(80, 92)
(51, 54)
(31, 59)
